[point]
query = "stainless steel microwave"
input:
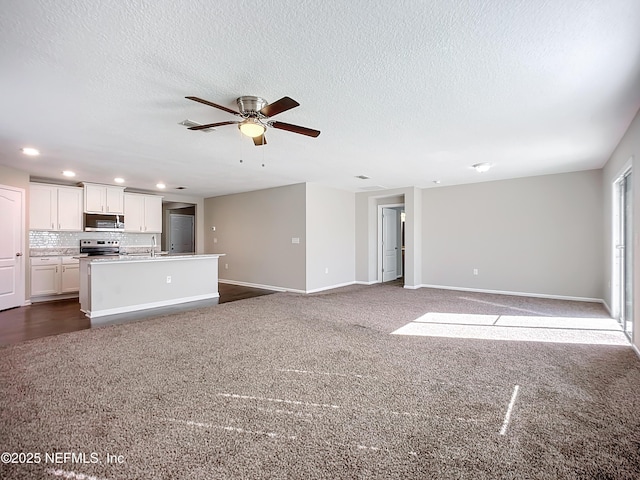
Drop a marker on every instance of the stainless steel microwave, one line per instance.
(101, 222)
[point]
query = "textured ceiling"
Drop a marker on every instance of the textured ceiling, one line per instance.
(405, 92)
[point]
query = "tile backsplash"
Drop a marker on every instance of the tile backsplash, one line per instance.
(46, 239)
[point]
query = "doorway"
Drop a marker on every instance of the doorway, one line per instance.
(178, 227)
(622, 285)
(390, 242)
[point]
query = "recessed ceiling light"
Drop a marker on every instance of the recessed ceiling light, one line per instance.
(32, 152)
(118, 180)
(69, 173)
(482, 167)
(161, 185)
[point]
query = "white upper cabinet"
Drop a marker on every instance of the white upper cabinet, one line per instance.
(114, 199)
(43, 207)
(142, 213)
(103, 198)
(134, 212)
(70, 208)
(55, 207)
(153, 213)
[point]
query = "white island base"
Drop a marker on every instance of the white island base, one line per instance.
(110, 286)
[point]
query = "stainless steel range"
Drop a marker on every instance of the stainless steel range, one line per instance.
(100, 248)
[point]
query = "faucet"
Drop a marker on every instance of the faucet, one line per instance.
(153, 241)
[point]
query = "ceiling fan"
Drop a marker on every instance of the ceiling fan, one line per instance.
(256, 116)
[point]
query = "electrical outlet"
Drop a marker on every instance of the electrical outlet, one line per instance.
(215, 240)
(295, 240)
(226, 266)
(326, 270)
(168, 278)
(475, 271)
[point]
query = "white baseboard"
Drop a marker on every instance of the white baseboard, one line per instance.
(144, 306)
(283, 289)
(258, 285)
(517, 294)
(331, 287)
(635, 349)
(607, 308)
(358, 282)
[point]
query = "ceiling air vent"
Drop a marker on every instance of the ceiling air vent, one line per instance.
(363, 177)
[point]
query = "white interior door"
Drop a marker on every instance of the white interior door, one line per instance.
(623, 253)
(182, 233)
(11, 245)
(389, 244)
(626, 289)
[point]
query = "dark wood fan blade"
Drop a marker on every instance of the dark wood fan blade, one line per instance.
(215, 105)
(211, 125)
(279, 106)
(261, 140)
(295, 129)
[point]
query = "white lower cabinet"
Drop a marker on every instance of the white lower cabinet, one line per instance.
(70, 277)
(54, 275)
(45, 276)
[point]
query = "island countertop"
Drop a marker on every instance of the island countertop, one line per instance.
(149, 258)
(113, 285)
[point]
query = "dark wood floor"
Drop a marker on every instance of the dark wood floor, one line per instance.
(62, 316)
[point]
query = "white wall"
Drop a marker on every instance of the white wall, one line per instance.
(537, 235)
(628, 148)
(254, 230)
(330, 255)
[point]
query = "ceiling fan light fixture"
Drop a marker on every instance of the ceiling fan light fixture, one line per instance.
(251, 127)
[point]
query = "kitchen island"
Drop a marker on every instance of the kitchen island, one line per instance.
(128, 283)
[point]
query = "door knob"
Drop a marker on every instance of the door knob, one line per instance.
(18, 254)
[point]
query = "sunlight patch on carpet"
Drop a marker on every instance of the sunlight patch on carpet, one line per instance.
(310, 372)
(277, 400)
(68, 474)
(230, 429)
(460, 318)
(592, 331)
(507, 416)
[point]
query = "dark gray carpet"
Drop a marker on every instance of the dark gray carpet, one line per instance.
(294, 386)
